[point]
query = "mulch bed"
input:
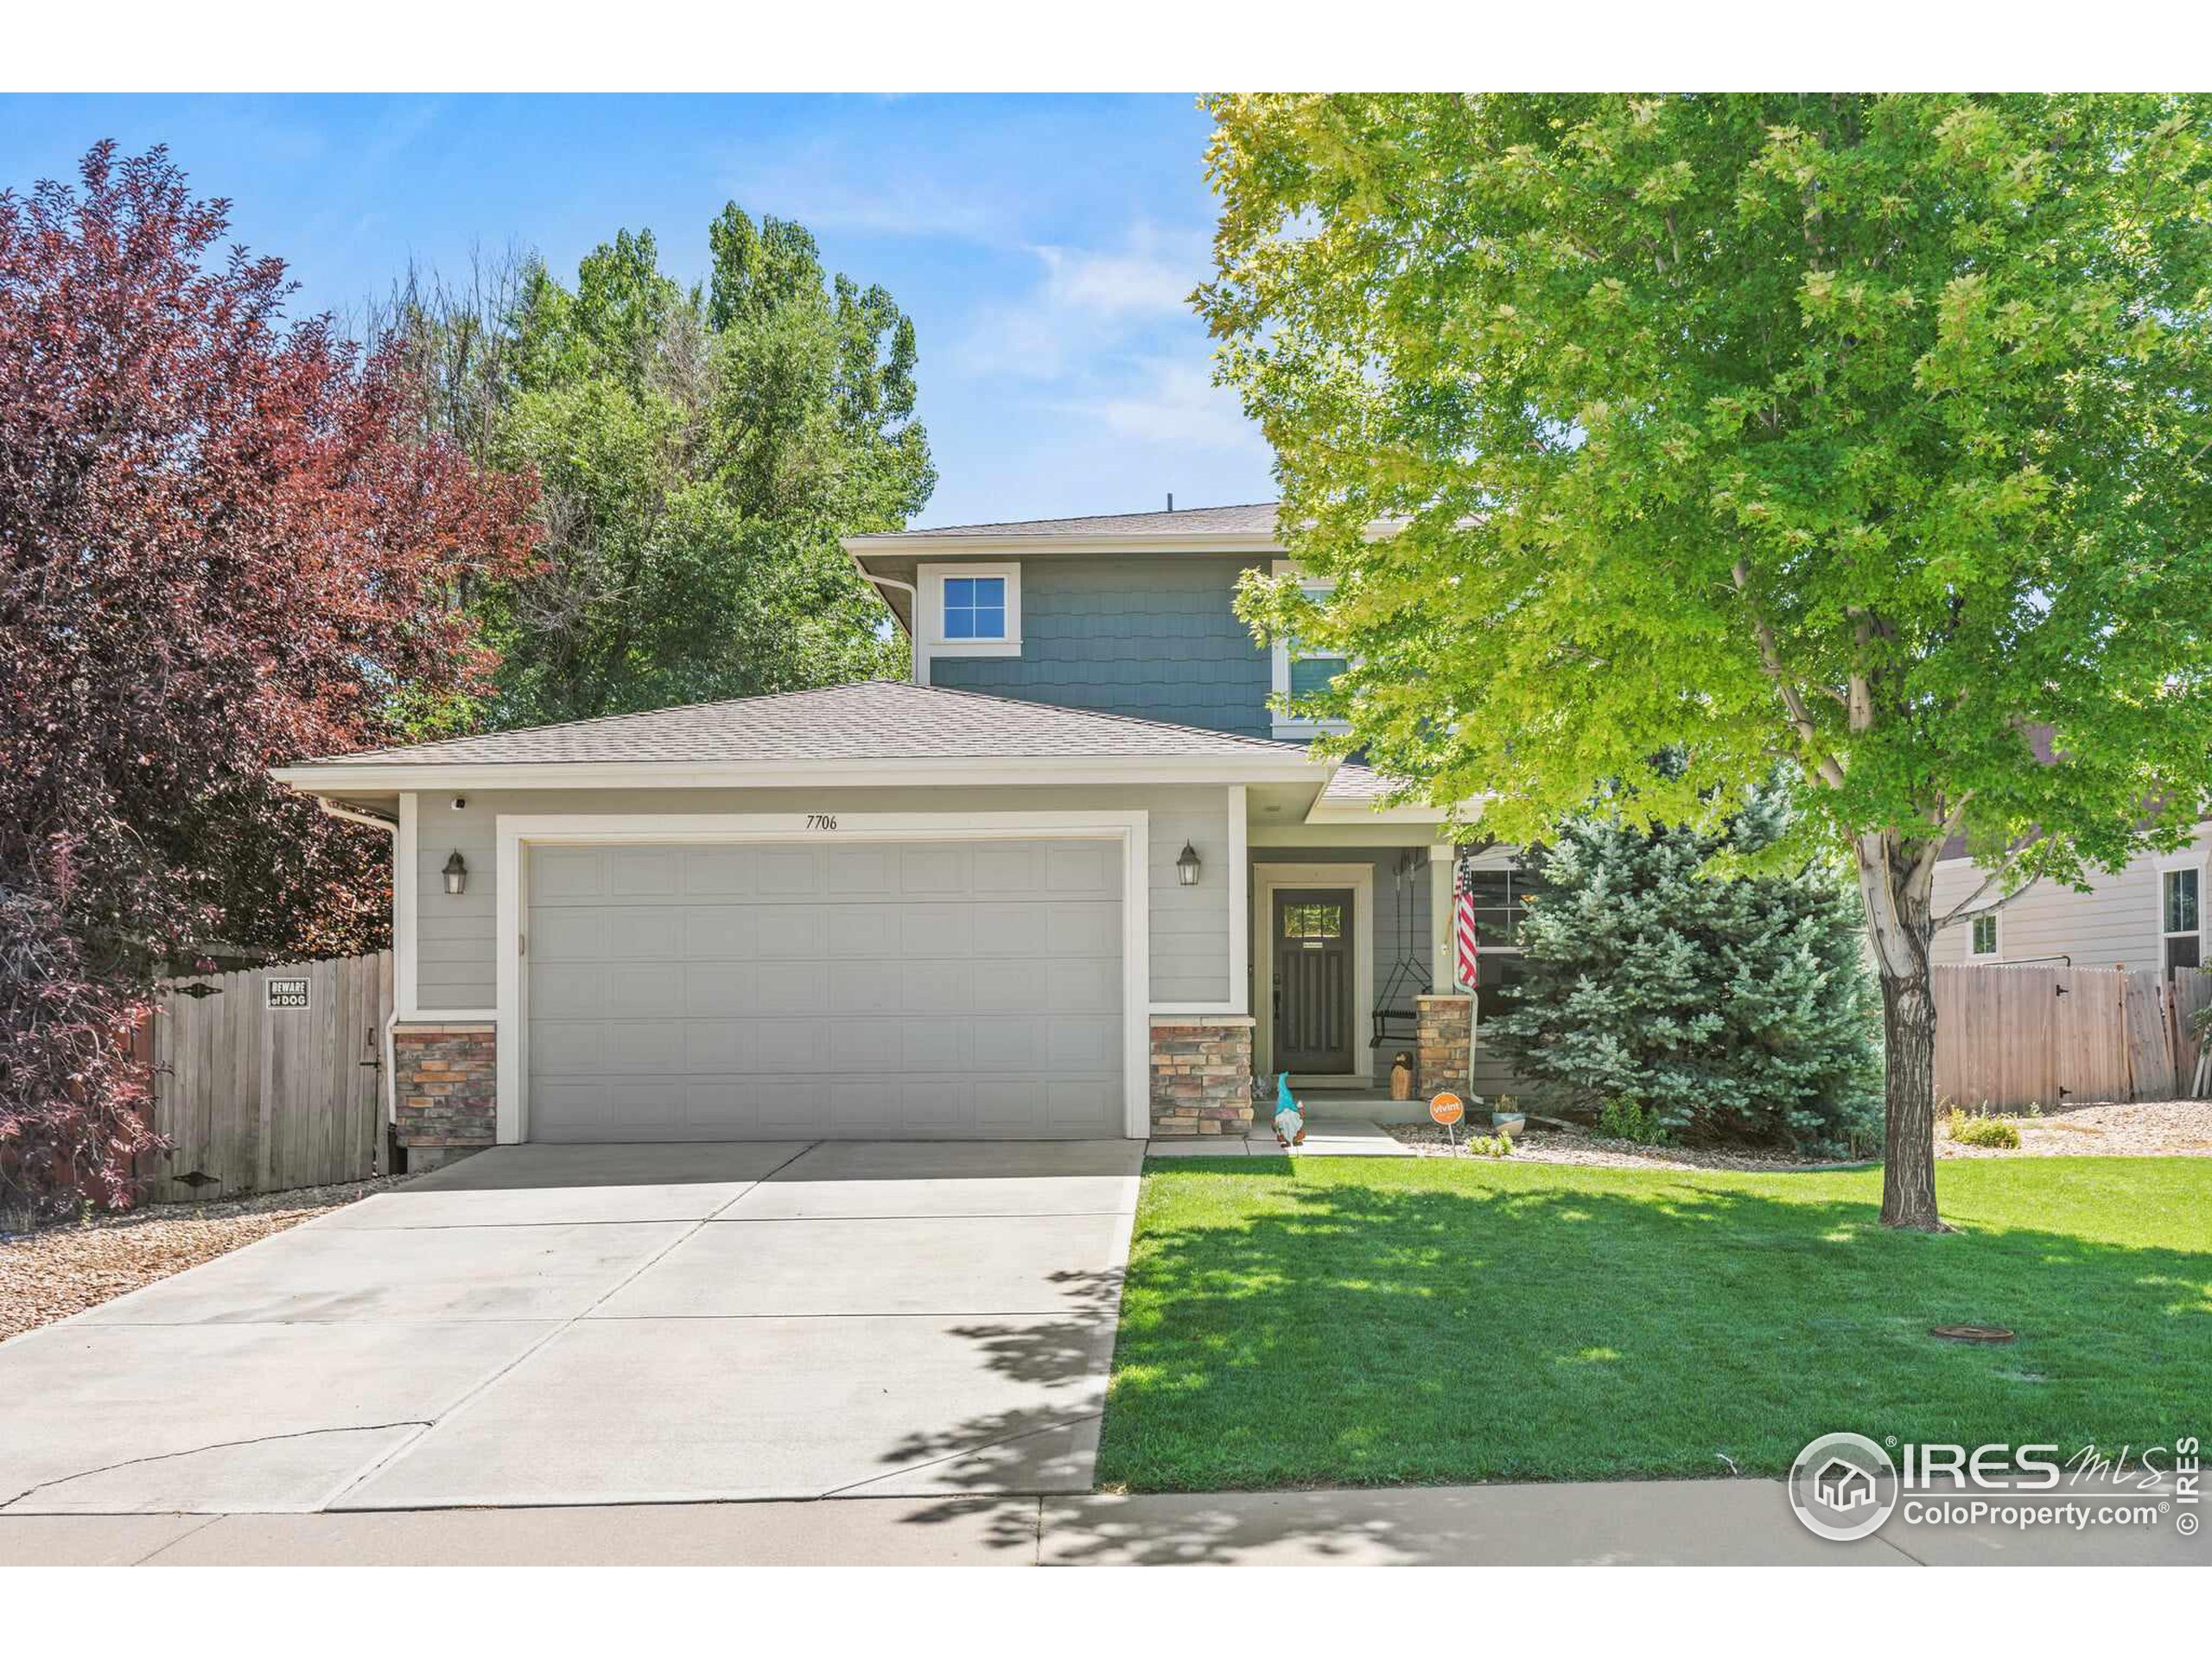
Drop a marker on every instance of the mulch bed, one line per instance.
(2148, 1128)
(70, 1266)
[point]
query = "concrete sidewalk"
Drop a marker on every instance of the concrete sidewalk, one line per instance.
(1687, 1523)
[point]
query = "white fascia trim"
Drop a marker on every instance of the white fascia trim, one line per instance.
(1132, 827)
(405, 873)
(1351, 813)
(929, 642)
(1257, 767)
(1360, 878)
(859, 547)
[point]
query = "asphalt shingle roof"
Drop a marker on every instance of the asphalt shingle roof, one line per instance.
(1252, 518)
(875, 719)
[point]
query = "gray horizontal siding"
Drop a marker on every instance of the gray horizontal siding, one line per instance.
(1153, 637)
(2115, 922)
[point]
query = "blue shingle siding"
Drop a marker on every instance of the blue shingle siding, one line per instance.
(1155, 637)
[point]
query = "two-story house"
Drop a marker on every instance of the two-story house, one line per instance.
(1076, 879)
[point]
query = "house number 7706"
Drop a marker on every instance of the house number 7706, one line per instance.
(821, 821)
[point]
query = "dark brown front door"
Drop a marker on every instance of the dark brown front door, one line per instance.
(1312, 969)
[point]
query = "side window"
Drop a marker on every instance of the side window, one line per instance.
(975, 608)
(1985, 934)
(2179, 919)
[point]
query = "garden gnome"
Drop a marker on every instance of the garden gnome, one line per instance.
(1402, 1075)
(1290, 1123)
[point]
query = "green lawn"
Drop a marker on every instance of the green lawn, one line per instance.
(1345, 1320)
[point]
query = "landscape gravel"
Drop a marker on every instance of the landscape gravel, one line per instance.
(65, 1268)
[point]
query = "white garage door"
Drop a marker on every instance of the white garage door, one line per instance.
(948, 988)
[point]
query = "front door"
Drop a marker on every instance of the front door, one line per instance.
(1312, 973)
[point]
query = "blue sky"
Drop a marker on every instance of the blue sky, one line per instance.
(1044, 246)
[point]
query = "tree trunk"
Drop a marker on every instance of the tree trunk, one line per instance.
(1898, 882)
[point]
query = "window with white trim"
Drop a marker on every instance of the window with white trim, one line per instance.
(2179, 919)
(1983, 933)
(969, 610)
(1302, 673)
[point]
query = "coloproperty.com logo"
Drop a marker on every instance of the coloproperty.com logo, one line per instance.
(1846, 1486)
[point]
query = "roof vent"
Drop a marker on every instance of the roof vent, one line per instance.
(1170, 500)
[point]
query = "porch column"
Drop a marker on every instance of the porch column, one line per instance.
(1443, 953)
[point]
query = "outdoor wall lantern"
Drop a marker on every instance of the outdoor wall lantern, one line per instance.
(456, 873)
(1187, 866)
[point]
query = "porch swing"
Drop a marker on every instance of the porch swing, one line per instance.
(1396, 1018)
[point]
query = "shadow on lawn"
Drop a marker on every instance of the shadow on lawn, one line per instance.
(1329, 1330)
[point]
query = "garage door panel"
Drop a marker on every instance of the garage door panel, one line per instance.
(569, 1045)
(790, 1046)
(791, 932)
(713, 988)
(1083, 1044)
(566, 874)
(643, 933)
(1015, 871)
(568, 936)
(1073, 1104)
(869, 987)
(936, 929)
(930, 1044)
(718, 872)
(1012, 986)
(727, 931)
(1092, 986)
(1081, 868)
(642, 872)
(944, 989)
(789, 987)
(1008, 1045)
(936, 987)
(924, 871)
(643, 989)
(560, 991)
(1083, 929)
(711, 1045)
(1009, 930)
(863, 872)
(789, 873)
(652, 1047)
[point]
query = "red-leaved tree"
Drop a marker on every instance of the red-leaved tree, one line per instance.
(221, 547)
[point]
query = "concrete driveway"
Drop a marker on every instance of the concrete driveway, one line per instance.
(609, 1325)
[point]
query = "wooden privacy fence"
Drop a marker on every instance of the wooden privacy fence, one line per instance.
(269, 1080)
(2008, 1037)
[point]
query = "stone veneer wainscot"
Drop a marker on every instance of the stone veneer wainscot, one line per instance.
(448, 1077)
(1444, 1035)
(1201, 1074)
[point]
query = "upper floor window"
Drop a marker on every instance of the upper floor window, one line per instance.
(975, 608)
(1300, 673)
(2178, 918)
(967, 610)
(1985, 934)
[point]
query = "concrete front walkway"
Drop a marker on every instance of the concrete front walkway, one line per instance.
(1688, 1523)
(1325, 1137)
(544, 1325)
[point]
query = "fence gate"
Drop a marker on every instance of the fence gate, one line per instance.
(2008, 1037)
(269, 1079)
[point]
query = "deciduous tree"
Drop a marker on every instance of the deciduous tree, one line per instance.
(1867, 434)
(219, 549)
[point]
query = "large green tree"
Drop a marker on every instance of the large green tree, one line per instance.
(1865, 434)
(700, 451)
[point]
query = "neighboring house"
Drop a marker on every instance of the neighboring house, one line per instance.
(1075, 879)
(2150, 914)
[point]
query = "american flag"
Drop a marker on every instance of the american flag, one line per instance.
(1463, 930)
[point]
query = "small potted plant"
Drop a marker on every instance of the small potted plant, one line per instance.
(1506, 1117)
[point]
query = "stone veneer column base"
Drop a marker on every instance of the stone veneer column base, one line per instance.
(1201, 1074)
(1444, 1036)
(446, 1075)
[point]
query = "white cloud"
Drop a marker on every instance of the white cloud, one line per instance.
(1086, 302)
(1174, 402)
